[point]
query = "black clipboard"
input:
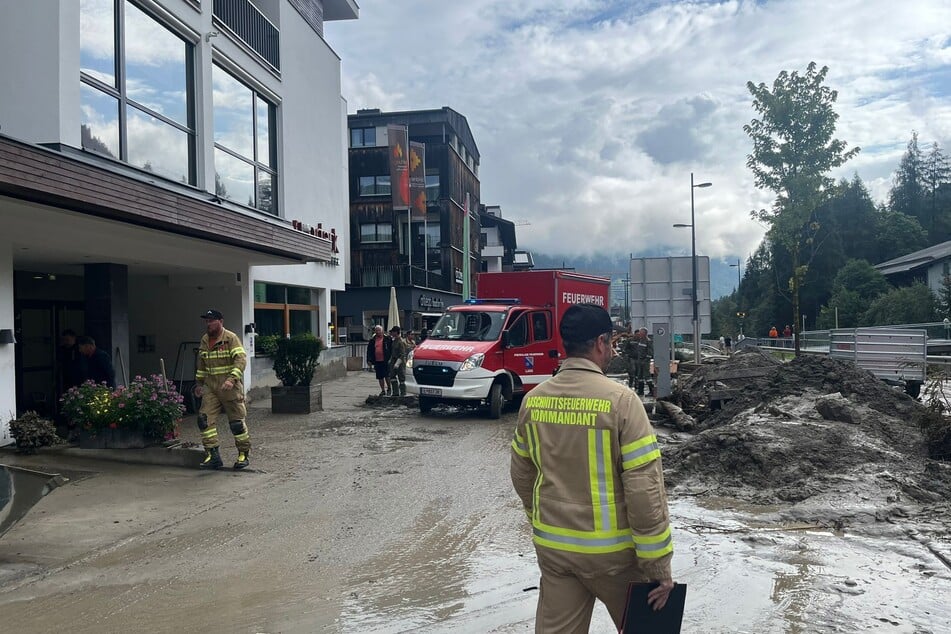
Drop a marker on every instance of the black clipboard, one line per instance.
(640, 618)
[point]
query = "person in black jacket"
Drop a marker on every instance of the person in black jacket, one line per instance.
(98, 363)
(378, 357)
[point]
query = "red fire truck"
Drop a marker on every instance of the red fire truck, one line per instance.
(494, 348)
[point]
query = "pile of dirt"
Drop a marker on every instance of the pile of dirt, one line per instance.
(815, 429)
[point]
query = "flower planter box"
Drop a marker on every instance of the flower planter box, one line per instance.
(120, 438)
(298, 399)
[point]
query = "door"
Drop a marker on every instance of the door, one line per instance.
(38, 362)
(530, 344)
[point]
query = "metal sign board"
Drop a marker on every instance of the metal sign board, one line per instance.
(662, 290)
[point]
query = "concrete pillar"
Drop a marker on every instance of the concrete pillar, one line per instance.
(107, 313)
(8, 395)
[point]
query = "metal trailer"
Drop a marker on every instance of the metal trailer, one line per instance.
(897, 356)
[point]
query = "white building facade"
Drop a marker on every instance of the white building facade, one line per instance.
(159, 158)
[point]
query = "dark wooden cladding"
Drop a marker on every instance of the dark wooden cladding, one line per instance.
(44, 176)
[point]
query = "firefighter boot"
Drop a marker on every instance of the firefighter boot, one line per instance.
(243, 459)
(402, 389)
(650, 388)
(212, 459)
(640, 388)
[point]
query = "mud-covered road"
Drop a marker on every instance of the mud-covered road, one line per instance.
(363, 519)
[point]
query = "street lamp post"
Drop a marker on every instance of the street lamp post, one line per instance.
(693, 249)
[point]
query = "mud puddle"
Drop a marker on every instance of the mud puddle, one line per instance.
(744, 572)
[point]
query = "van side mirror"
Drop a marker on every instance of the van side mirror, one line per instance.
(506, 339)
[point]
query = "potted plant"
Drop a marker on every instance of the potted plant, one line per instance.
(151, 405)
(31, 431)
(147, 411)
(295, 362)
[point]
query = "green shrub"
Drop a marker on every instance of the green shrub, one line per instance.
(32, 431)
(266, 345)
(296, 359)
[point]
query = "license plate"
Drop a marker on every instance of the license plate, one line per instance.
(430, 391)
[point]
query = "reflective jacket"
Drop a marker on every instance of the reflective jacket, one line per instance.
(225, 360)
(586, 465)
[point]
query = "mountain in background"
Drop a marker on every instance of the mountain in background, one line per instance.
(722, 275)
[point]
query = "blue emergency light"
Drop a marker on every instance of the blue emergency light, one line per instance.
(494, 300)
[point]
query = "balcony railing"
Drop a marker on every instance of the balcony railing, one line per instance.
(252, 27)
(398, 275)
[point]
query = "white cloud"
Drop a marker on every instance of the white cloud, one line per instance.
(590, 115)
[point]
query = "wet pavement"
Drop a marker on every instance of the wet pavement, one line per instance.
(374, 519)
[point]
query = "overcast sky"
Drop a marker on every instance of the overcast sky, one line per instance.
(590, 115)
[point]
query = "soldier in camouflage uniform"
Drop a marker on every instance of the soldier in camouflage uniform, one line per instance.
(398, 363)
(629, 352)
(218, 381)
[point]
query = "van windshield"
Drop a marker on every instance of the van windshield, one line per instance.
(469, 326)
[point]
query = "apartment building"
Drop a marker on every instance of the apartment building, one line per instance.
(420, 253)
(159, 158)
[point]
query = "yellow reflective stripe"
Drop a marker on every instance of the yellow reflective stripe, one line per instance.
(520, 448)
(244, 436)
(237, 373)
(220, 370)
(654, 546)
(534, 448)
(237, 351)
(594, 479)
(606, 458)
(640, 452)
(579, 534)
(583, 548)
(200, 374)
(209, 433)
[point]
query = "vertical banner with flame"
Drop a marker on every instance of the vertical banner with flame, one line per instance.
(417, 178)
(399, 166)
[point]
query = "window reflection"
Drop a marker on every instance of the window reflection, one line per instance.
(97, 40)
(100, 121)
(148, 79)
(234, 125)
(234, 178)
(155, 65)
(244, 143)
(156, 146)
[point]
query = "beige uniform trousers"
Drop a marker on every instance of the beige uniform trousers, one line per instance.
(231, 402)
(566, 600)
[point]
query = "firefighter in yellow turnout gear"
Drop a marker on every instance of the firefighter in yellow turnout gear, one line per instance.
(218, 380)
(586, 466)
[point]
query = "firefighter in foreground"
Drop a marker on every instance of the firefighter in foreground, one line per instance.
(218, 381)
(586, 465)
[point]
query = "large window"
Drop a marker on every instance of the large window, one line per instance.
(136, 89)
(432, 187)
(245, 144)
(376, 232)
(375, 186)
(363, 137)
(283, 310)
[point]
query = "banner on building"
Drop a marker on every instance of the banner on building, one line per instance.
(417, 178)
(399, 166)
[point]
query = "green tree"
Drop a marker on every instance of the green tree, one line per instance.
(906, 305)
(937, 172)
(907, 194)
(854, 287)
(898, 235)
(794, 149)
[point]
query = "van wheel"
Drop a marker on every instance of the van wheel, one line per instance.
(496, 402)
(426, 404)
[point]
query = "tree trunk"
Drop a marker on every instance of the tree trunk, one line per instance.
(795, 297)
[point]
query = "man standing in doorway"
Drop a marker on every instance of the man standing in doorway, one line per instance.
(586, 466)
(98, 364)
(378, 358)
(218, 381)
